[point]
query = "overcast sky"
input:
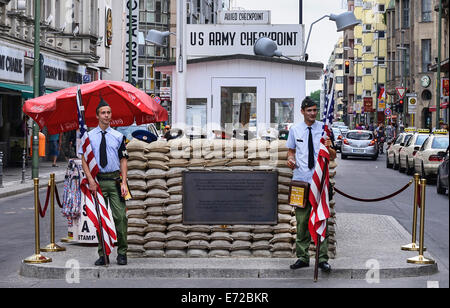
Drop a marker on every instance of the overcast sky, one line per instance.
(323, 35)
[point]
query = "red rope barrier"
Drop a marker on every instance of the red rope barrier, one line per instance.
(42, 212)
(376, 199)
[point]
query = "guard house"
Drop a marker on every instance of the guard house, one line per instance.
(256, 92)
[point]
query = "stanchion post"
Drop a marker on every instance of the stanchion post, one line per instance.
(37, 257)
(52, 247)
(420, 259)
(413, 246)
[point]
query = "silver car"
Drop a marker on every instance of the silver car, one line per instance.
(359, 143)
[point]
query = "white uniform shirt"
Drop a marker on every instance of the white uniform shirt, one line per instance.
(113, 142)
(298, 140)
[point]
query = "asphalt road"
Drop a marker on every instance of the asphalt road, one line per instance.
(371, 179)
(358, 177)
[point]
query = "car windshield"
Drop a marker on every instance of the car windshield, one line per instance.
(336, 132)
(421, 139)
(440, 143)
(128, 130)
(359, 135)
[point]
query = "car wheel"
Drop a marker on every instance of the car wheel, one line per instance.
(439, 189)
(409, 170)
(343, 156)
(388, 165)
(400, 169)
(375, 157)
(422, 172)
(395, 166)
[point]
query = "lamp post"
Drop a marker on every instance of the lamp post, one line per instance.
(356, 74)
(158, 38)
(438, 71)
(37, 52)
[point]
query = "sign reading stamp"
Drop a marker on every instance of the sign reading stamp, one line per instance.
(230, 197)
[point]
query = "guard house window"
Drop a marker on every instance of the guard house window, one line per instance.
(238, 107)
(196, 113)
(281, 112)
(426, 55)
(426, 10)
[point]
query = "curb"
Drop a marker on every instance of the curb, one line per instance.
(250, 272)
(28, 186)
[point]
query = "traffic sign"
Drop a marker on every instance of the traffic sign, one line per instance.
(157, 99)
(388, 112)
(401, 91)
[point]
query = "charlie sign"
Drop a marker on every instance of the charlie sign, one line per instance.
(217, 40)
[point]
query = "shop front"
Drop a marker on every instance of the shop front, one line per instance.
(16, 86)
(248, 92)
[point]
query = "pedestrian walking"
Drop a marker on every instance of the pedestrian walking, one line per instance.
(304, 144)
(55, 147)
(109, 150)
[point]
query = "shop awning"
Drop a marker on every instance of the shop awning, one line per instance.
(26, 90)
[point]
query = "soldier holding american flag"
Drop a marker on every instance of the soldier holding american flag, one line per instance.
(308, 146)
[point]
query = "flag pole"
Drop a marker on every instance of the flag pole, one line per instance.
(94, 196)
(329, 108)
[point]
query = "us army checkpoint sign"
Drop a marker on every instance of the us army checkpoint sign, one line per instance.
(219, 40)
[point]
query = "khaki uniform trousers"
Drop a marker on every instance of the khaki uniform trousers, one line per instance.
(111, 195)
(303, 239)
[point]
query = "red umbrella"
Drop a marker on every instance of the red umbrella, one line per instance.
(58, 111)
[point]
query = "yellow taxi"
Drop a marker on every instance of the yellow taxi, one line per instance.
(407, 153)
(427, 159)
(393, 151)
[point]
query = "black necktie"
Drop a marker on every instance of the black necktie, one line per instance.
(310, 150)
(103, 157)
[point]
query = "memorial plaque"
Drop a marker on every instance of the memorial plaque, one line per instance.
(229, 198)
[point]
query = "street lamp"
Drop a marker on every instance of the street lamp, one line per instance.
(158, 38)
(344, 21)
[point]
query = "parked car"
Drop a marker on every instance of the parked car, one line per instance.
(393, 151)
(442, 176)
(428, 158)
(338, 136)
(407, 153)
(359, 143)
(128, 130)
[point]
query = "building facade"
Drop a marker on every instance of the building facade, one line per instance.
(413, 28)
(76, 42)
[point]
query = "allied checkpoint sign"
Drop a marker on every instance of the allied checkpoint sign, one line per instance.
(219, 40)
(230, 197)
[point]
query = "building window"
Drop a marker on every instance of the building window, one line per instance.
(196, 112)
(405, 10)
(426, 10)
(339, 79)
(238, 107)
(407, 59)
(367, 71)
(367, 49)
(426, 55)
(281, 112)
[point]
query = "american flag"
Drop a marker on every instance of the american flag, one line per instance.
(108, 229)
(318, 193)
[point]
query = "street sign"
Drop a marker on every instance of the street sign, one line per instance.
(388, 112)
(412, 104)
(401, 92)
(157, 99)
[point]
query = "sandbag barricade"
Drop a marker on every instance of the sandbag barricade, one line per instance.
(155, 226)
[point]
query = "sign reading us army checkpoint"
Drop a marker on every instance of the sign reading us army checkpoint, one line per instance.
(230, 197)
(207, 40)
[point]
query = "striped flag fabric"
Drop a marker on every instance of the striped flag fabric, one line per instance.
(318, 193)
(108, 229)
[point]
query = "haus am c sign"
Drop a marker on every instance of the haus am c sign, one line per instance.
(220, 40)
